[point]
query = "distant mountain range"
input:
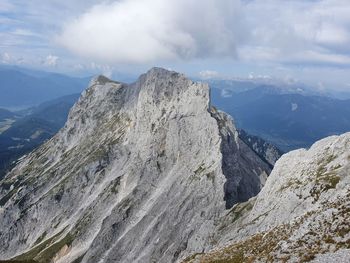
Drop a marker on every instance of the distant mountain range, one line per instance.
(23, 88)
(21, 133)
(274, 86)
(6, 114)
(290, 118)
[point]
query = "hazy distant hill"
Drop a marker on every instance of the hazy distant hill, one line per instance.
(5, 114)
(287, 120)
(39, 124)
(22, 88)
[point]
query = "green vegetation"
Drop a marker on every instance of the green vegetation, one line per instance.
(50, 252)
(236, 213)
(292, 183)
(41, 238)
(190, 258)
(45, 251)
(200, 169)
(239, 210)
(331, 232)
(325, 179)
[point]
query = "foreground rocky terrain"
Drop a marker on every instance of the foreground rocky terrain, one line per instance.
(151, 172)
(302, 213)
(139, 173)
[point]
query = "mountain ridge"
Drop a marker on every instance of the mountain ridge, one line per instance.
(151, 172)
(22, 89)
(301, 213)
(123, 151)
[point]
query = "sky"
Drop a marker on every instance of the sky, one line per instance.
(293, 40)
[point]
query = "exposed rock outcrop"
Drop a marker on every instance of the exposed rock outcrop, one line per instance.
(302, 212)
(238, 159)
(137, 174)
(264, 149)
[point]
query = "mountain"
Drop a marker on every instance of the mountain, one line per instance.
(55, 111)
(25, 133)
(24, 88)
(5, 114)
(6, 119)
(228, 87)
(301, 214)
(139, 173)
(151, 172)
(288, 121)
(271, 85)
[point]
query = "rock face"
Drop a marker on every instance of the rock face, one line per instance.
(139, 173)
(301, 213)
(242, 182)
(264, 149)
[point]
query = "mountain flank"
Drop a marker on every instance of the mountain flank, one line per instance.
(139, 173)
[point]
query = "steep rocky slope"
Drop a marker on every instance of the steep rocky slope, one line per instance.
(264, 149)
(139, 173)
(301, 213)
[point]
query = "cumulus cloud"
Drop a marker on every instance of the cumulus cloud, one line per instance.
(315, 32)
(310, 39)
(208, 74)
(139, 31)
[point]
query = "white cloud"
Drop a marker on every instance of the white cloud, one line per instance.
(208, 74)
(310, 39)
(142, 31)
(106, 70)
(298, 32)
(51, 61)
(138, 31)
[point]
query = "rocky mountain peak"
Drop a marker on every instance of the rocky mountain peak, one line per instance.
(140, 172)
(100, 80)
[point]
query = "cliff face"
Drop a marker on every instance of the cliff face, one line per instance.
(301, 214)
(245, 173)
(139, 173)
(264, 149)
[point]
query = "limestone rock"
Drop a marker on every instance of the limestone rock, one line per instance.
(137, 174)
(301, 214)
